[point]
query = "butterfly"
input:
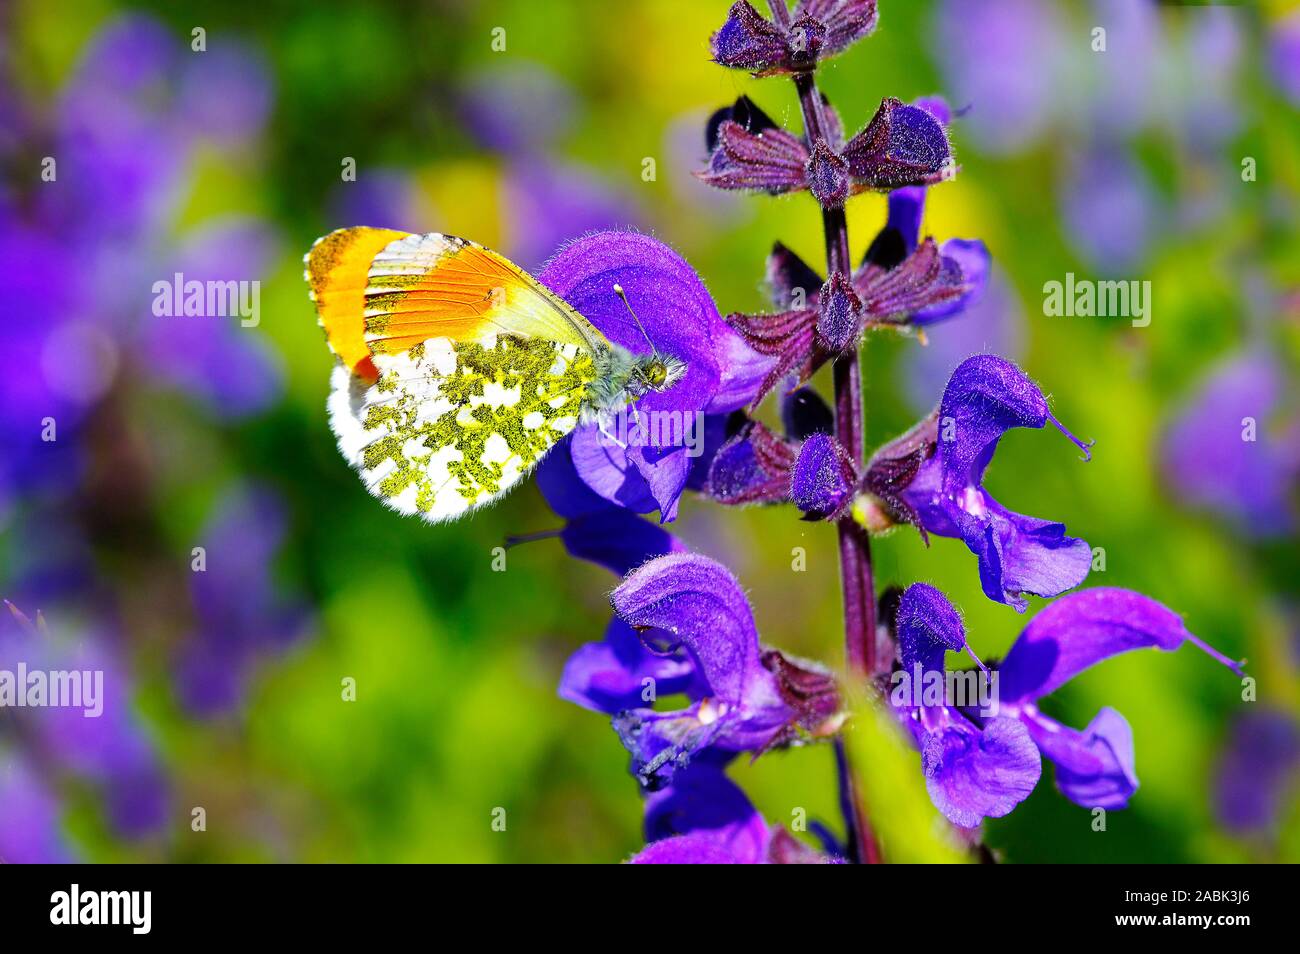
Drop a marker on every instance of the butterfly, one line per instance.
(457, 370)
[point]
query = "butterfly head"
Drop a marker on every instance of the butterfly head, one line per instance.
(658, 372)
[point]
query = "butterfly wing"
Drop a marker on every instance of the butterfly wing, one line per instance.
(450, 426)
(458, 371)
(378, 291)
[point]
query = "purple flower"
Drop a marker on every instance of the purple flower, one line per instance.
(942, 491)
(704, 818)
(240, 617)
(748, 699)
(818, 29)
(1221, 453)
(1094, 768)
(982, 762)
(722, 373)
(1257, 771)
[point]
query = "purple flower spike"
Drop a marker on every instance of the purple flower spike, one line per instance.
(748, 701)
(823, 479)
(972, 772)
(681, 319)
(818, 29)
(901, 146)
(985, 397)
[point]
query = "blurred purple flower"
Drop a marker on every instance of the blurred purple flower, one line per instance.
(111, 750)
(241, 618)
(1221, 453)
(519, 109)
(1284, 57)
(1109, 209)
(548, 202)
(386, 199)
(30, 831)
(998, 57)
(1257, 771)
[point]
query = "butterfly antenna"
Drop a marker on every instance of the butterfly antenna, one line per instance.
(618, 290)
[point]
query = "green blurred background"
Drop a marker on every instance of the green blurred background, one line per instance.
(456, 665)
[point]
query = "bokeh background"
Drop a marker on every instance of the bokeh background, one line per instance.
(225, 686)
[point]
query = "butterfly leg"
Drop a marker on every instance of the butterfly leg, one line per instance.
(601, 421)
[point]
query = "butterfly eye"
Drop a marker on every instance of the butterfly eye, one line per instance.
(656, 374)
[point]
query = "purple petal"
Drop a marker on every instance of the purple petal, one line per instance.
(986, 397)
(516, 108)
(566, 492)
(928, 626)
(703, 802)
(610, 676)
(617, 539)
(685, 850)
(973, 774)
(1095, 767)
(1081, 629)
(703, 606)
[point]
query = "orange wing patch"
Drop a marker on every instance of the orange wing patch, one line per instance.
(338, 272)
(384, 292)
(436, 286)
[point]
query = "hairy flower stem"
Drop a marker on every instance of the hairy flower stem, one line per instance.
(855, 546)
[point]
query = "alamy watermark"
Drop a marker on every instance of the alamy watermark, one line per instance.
(963, 689)
(633, 427)
(208, 299)
(1085, 298)
(23, 688)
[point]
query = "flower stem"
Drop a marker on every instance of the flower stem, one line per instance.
(856, 578)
